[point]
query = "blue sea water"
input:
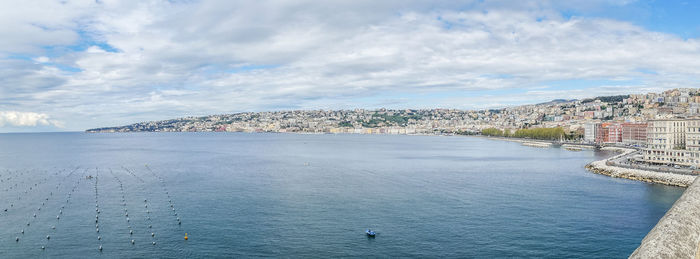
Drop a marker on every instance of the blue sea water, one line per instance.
(286, 195)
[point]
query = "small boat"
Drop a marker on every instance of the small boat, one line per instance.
(370, 233)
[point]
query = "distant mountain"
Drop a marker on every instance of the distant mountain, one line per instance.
(556, 101)
(607, 99)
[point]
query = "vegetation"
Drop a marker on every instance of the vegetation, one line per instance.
(345, 124)
(541, 133)
(533, 133)
(466, 132)
(607, 99)
(383, 119)
(492, 132)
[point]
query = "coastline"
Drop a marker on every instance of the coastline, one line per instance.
(601, 167)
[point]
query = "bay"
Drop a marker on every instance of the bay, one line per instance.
(293, 195)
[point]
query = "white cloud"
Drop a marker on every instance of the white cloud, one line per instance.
(42, 59)
(146, 60)
(26, 119)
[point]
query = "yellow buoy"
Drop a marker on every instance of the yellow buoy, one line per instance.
(186, 236)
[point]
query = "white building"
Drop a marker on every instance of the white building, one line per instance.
(589, 131)
(673, 141)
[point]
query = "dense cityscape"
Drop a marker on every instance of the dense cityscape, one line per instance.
(571, 115)
(652, 121)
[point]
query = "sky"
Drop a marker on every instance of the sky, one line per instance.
(73, 65)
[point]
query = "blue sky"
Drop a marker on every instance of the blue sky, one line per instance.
(73, 65)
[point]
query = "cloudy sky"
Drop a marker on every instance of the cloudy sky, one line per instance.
(72, 65)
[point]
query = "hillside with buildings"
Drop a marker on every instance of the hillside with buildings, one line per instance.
(571, 115)
(664, 123)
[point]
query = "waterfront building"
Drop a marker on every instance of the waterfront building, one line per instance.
(608, 132)
(673, 141)
(612, 132)
(634, 133)
(590, 130)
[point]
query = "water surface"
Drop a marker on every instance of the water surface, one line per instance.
(272, 195)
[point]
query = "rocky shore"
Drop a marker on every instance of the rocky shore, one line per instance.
(601, 167)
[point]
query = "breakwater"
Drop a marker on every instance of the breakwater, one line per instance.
(677, 234)
(602, 167)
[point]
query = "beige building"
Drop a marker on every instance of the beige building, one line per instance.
(673, 141)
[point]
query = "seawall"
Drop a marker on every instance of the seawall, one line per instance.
(677, 234)
(601, 167)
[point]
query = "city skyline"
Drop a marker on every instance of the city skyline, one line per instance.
(573, 117)
(75, 65)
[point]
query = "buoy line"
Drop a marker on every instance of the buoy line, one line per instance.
(43, 203)
(170, 200)
(147, 215)
(97, 210)
(123, 203)
(19, 193)
(10, 176)
(38, 210)
(149, 222)
(133, 174)
(60, 211)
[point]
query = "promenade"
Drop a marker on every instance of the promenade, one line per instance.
(620, 167)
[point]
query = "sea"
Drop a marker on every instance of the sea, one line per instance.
(241, 195)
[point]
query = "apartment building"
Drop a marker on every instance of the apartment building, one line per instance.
(589, 132)
(634, 133)
(613, 132)
(673, 141)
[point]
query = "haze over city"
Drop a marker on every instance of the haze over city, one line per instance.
(73, 65)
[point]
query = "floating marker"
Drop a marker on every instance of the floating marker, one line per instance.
(153, 234)
(132, 241)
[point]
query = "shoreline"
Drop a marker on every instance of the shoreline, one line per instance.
(601, 167)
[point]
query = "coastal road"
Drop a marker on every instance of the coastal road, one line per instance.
(628, 161)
